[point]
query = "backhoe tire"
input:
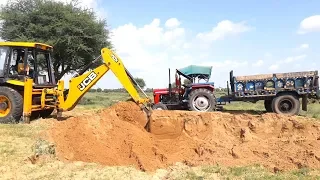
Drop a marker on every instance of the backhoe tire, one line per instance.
(159, 106)
(202, 100)
(11, 105)
(287, 104)
(268, 105)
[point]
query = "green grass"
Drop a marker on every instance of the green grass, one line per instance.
(102, 99)
(244, 172)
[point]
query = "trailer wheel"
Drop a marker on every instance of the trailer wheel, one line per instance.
(202, 100)
(11, 105)
(268, 105)
(159, 106)
(286, 104)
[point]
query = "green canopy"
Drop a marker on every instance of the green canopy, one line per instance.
(194, 70)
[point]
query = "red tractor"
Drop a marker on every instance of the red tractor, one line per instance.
(192, 96)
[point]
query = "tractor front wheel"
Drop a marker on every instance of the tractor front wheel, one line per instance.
(11, 105)
(159, 106)
(202, 100)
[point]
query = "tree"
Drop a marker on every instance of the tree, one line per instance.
(105, 90)
(75, 33)
(92, 90)
(140, 82)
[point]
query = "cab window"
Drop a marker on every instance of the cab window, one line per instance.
(42, 68)
(17, 62)
(3, 55)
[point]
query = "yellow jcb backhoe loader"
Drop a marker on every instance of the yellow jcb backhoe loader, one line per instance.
(28, 87)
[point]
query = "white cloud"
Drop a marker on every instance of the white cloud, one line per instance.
(225, 64)
(223, 29)
(141, 48)
(172, 23)
(310, 24)
(301, 47)
(293, 58)
(151, 49)
(148, 51)
(259, 63)
(284, 63)
(267, 55)
(304, 46)
(274, 67)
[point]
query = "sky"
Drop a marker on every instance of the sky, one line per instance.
(248, 37)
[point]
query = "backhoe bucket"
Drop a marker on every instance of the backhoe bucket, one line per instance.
(146, 108)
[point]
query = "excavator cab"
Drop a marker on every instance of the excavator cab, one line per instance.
(20, 60)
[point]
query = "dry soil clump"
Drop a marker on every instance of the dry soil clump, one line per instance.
(116, 137)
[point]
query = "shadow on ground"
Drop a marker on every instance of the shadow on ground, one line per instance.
(52, 116)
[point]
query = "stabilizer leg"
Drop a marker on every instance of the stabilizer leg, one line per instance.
(27, 100)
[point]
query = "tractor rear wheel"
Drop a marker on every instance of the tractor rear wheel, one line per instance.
(11, 105)
(202, 100)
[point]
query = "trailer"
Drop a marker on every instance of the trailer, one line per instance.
(281, 92)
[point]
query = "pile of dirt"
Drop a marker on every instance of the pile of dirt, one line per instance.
(115, 136)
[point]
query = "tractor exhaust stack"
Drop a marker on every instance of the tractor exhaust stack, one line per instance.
(170, 88)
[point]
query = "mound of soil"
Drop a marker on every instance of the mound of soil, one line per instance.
(115, 136)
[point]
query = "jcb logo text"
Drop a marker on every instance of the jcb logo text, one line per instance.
(114, 58)
(87, 81)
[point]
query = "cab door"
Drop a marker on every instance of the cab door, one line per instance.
(44, 75)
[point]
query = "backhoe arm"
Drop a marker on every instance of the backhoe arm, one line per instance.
(78, 86)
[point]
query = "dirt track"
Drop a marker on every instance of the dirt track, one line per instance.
(116, 136)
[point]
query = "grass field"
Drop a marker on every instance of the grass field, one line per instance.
(20, 142)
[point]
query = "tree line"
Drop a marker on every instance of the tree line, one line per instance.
(118, 90)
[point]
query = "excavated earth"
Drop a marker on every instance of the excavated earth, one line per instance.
(116, 137)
